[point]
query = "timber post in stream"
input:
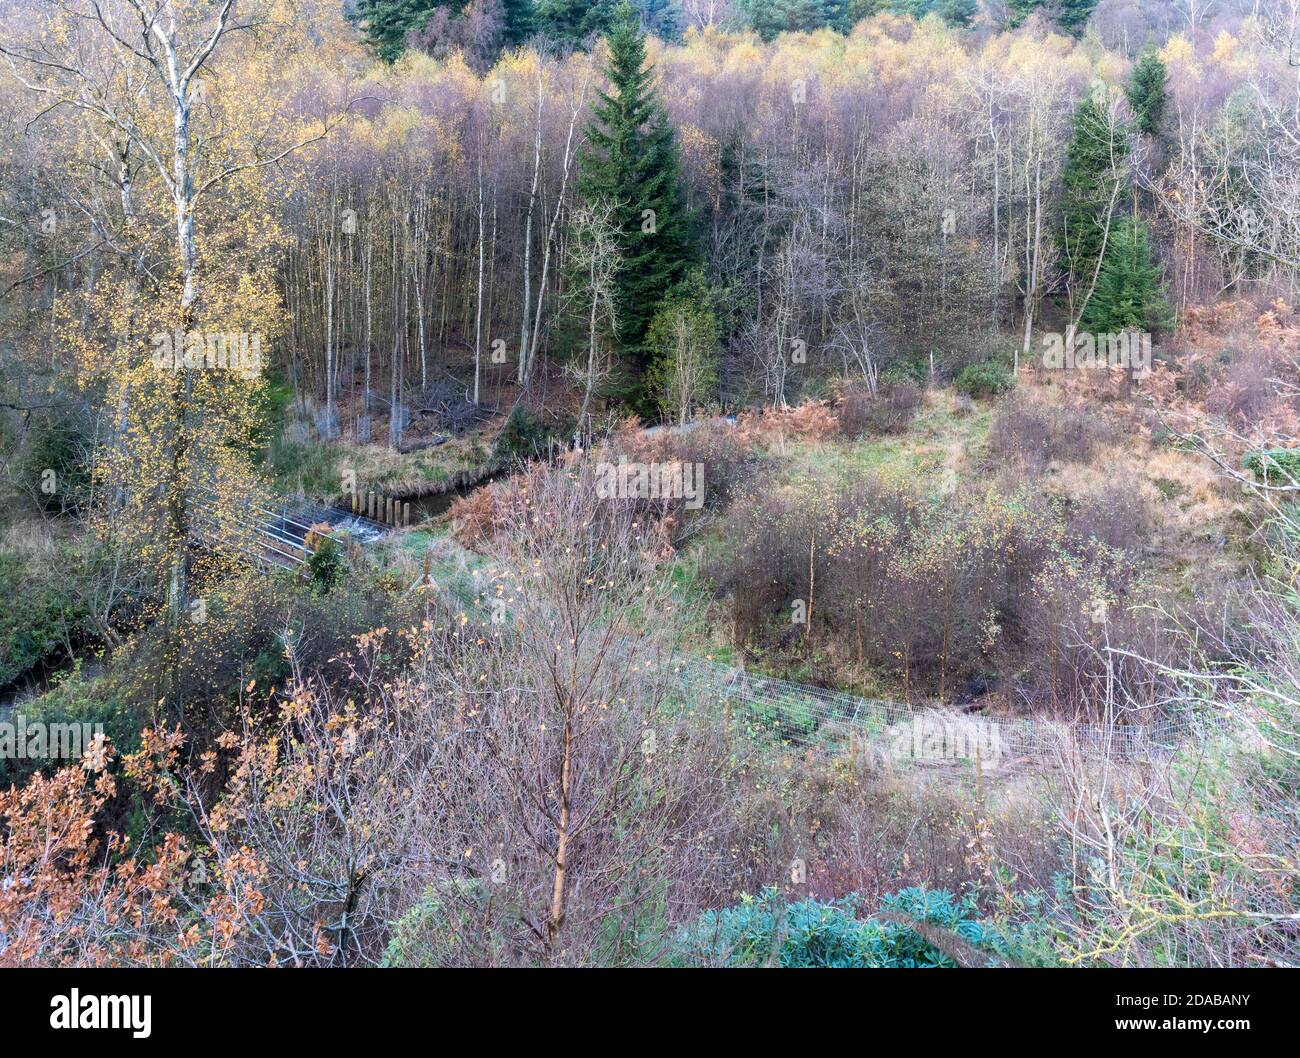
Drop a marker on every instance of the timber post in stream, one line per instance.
(386, 509)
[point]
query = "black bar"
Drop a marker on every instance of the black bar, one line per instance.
(916, 1009)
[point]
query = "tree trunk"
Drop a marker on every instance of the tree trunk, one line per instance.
(522, 375)
(555, 919)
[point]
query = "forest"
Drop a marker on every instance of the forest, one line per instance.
(649, 483)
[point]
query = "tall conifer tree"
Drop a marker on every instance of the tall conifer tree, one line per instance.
(385, 23)
(1146, 91)
(520, 21)
(1095, 162)
(631, 160)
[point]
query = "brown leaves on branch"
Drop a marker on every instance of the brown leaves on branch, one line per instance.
(75, 897)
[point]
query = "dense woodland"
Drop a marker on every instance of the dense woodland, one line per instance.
(863, 263)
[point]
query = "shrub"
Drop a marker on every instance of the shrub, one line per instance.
(482, 513)
(888, 412)
(986, 379)
(77, 701)
(528, 434)
(1116, 515)
(1275, 466)
(813, 933)
(59, 450)
(473, 516)
(729, 460)
(791, 719)
(914, 369)
(455, 923)
(1246, 391)
(809, 421)
(937, 593)
(327, 565)
(1033, 434)
(48, 618)
(250, 621)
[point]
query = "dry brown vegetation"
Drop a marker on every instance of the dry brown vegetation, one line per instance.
(475, 743)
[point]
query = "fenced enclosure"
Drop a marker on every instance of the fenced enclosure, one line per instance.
(280, 533)
(820, 718)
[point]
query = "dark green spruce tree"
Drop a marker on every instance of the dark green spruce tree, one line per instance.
(1095, 163)
(771, 17)
(1019, 10)
(561, 20)
(575, 22)
(960, 13)
(1146, 91)
(834, 14)
(631, 160)
(662, 18)
(519, 21)
(1070, 15)
(385, 23)
(1130, 292)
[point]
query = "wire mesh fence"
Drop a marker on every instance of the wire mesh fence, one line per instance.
(281, 533)
(810, 714)
(807, 715)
